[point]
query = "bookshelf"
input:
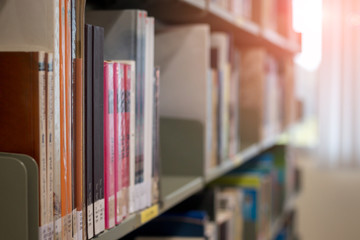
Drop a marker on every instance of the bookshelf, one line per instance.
(176, 187)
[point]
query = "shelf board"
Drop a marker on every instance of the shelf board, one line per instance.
(175, 189)
(245, 155)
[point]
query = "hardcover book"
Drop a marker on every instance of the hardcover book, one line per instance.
(89, 158)
(98, 128)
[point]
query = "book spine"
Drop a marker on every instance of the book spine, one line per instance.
(68, 102)
(63, 148)
(49, 142)
(89, 132)
(73, 118)
(133, 142)
(119, 149)
(44, 216)
(109, 145)
(98, 124)
(156, 138)
(57, 130)
(148, 111)
(128, 133)
(79, 147)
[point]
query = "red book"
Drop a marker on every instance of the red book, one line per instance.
(119, 122)
(109, 176)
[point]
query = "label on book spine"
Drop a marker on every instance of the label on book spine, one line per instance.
(79, 226)
(119, 212)
(42, 232)
(149, 213)
(90, 221)
(112, 211)
(99, 216)
(57, 229)
(74, 225)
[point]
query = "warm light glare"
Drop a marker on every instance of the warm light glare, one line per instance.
(308, 20)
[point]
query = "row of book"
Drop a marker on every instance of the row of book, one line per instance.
(92, 125)
(239, 96)
(243, 204)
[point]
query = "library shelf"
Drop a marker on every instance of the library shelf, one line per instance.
(239, 159)
(176, 188)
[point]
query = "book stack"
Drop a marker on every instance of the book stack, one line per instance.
(82, 100)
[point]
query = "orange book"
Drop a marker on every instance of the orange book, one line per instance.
(78, 143)
(63, 123)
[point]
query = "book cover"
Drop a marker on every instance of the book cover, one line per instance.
(119, 142)
(148, 110)
(24, 127)
(57, 129)
(79, 147)
(156, 139)
(109, 156)
(98, 128)
(89, 158)
(129, 116)
(49, 141)
(221, 42)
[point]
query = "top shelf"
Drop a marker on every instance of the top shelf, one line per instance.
(244, 32)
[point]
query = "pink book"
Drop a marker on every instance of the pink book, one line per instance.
(126, 133)
(119, 122)
(109, 155)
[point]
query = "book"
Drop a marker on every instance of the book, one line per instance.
(79, 146)
(98, 128)
(251, 96)
(221, 42)
(109, 146)
(127, 42)
(148, 111)
(24, 127)
(119, 138)
(156, 139)
(89, 158)
(50, 142)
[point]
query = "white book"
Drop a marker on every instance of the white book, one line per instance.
(148, 119)
(221, 42)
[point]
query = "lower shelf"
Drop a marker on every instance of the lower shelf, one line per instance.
(174, 190)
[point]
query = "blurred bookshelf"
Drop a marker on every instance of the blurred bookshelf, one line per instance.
(185, 166)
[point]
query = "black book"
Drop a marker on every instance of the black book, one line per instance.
(88, 131)
(98, 128)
